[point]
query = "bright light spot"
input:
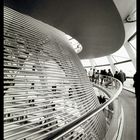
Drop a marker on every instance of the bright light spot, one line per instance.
(75, 44)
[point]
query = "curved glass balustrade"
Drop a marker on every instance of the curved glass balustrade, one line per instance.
(111, 109)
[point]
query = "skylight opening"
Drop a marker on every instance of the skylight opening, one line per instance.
(75, 44)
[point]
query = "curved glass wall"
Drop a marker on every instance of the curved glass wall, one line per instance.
(127, 67)
(120, 58)
(101, 61)
(120, 55)
(133, 45)
(86, 62)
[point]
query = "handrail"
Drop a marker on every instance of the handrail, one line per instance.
(57, 134)
(114, 122)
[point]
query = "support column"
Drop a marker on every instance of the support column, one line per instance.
(109, 57)
(130, 53)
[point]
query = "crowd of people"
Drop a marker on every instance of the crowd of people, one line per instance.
(101, 76)
(105, 77)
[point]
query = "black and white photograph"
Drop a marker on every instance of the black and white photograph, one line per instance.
(70, 70)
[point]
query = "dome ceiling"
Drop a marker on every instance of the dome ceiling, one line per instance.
(95, 24)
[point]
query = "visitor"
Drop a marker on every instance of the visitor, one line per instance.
(121, 76)
(102, 76)
(109, 79)
(90, 73)
(93, 75)
(97, 77)
(109, 73)
(105, 75)
(116, 75)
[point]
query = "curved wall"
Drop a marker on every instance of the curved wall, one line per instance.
(45, 84)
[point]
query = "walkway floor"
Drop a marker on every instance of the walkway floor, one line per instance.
(128, 84)
(128, 101)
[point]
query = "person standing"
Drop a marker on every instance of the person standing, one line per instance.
(97, 77)
(109, 73)
(105, 75)
(116, 75)
(102, 76)
(121, 76)
(90, 73)
(109, 79)
(93, 75)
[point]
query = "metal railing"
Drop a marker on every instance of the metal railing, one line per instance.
(109, 107)
(114, 111)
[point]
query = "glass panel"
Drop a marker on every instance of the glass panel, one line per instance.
(114, 60)
(133, 45)
(127, 67)
(133, 42)
(85, 62)
(101, 60)
(129, 84)
(121, 55)
(133, 49)
(120, 59)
